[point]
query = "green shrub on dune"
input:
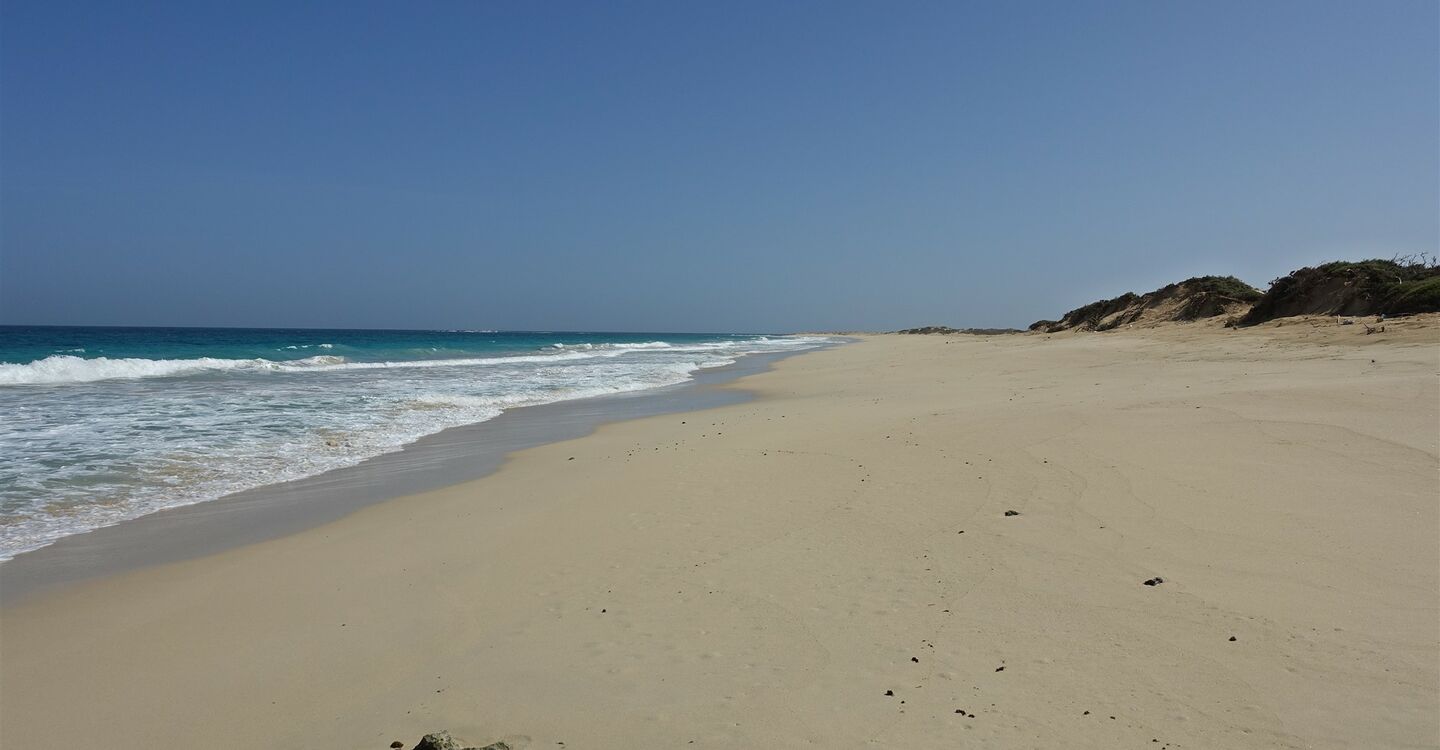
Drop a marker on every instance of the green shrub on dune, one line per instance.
(1225, 286)
(1399, 286)
(1409, 297)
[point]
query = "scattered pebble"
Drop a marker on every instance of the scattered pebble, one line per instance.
(397, 743)
(1232, 639)
(1012, 512)
(1156, 581)
(915, 659)
(890, 692)
(1000, 668)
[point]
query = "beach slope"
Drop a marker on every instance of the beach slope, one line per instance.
(911, 541)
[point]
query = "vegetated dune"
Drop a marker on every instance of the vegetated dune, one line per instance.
(1400, 286)
(1191, 299)
(1370, 287)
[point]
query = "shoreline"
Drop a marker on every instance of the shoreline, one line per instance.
(764, 575)
(449, 457)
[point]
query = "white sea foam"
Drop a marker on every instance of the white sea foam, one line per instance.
(622, 347)
(77, 458)
(64, 368)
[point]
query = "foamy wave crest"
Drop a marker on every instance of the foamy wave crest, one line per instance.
(646, 345)
(63, 368)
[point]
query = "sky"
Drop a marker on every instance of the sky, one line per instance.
(688, 166)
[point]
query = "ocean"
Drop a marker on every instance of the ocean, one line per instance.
(101, 425)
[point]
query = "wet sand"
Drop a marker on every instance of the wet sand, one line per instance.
(444, 459)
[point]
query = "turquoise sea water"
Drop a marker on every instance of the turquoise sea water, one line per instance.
(99, 425)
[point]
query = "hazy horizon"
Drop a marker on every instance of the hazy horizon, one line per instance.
(652, 167)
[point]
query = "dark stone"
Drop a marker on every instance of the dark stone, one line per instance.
(1232, 639)
(438, 741)
(1000, 668)
(397, 743)
(915, 659)
(889, 692)
(1156, 581)
(1012, 512)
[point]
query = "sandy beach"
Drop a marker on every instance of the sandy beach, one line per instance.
(836, 564)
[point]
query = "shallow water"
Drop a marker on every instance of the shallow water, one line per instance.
(100, 425)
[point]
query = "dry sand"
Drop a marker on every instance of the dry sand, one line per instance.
(760, 575)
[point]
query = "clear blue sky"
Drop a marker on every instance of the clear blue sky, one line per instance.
(695, 166)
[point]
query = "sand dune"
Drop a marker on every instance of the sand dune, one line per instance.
(761, 575)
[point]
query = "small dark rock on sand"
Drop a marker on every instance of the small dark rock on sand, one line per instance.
(1000, 668)
(889, 692)
(438, 741)
(1156, 581)
(1232, 639)
(397, 743)
(443, 741)
(1012, 512)
(915, 659)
